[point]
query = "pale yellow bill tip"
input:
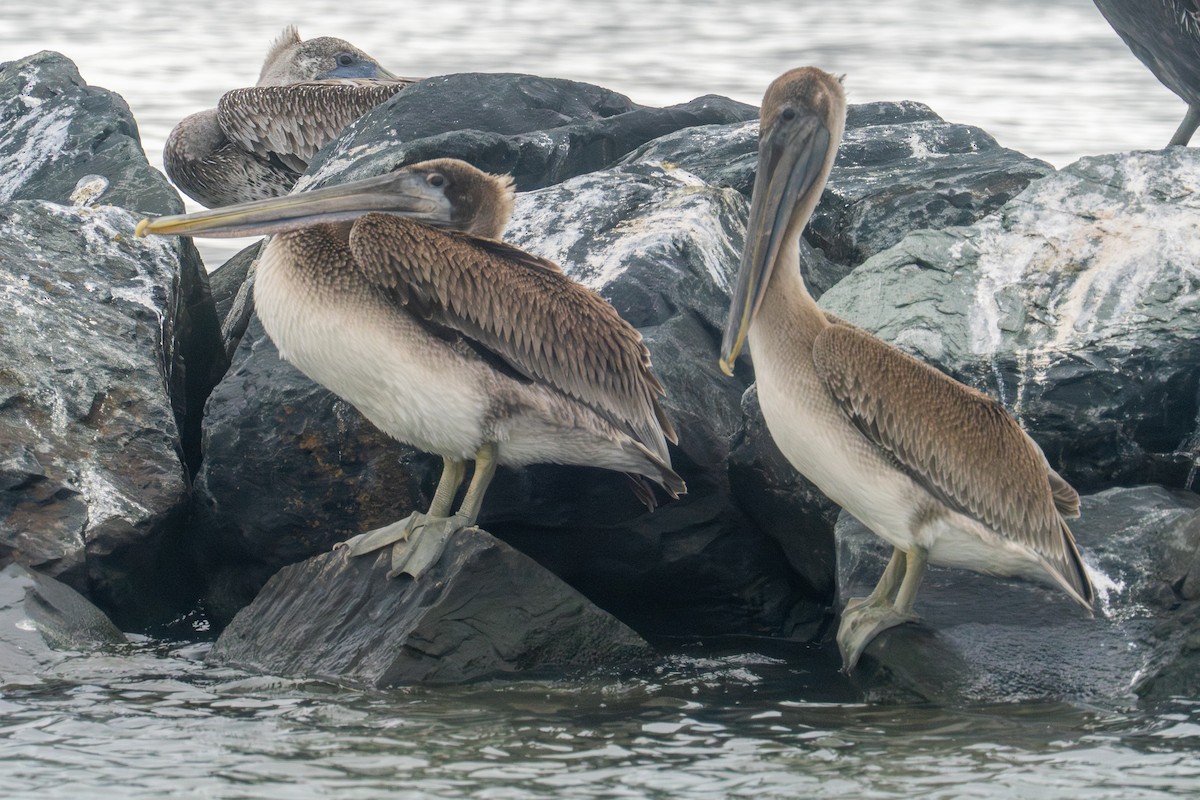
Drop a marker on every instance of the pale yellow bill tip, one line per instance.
(140, 231)
(726, 367)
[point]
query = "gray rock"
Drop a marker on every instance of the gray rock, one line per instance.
(109, 350)
(66, 619)
(984, 639)
(900, 168)
(540, 130)
(1075, 306)
(233, 295)
(91, 447)
(65, 141)
(483, 610)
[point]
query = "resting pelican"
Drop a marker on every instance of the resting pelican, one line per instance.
(395, 293)
(938, 470)
(1165, 36)
(258, 141)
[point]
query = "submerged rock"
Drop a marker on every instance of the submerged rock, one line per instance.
(1075, 305)
(985, 639)
(483, 610)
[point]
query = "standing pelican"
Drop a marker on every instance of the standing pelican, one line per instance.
(258, 141)
(938, 470)
(1165, 36)
(395, 293)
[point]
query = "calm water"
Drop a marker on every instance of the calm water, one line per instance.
(1045, 77)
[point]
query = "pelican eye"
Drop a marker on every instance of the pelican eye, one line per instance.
(436, 180)
(345, 59)
(788, 114)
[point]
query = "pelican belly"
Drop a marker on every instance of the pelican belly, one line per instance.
(823, 446)
(408, 383)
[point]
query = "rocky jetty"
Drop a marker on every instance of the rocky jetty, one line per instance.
(158, 455)
(107, 345)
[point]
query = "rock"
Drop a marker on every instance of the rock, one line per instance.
(66, 619)
(540, 130)
(91, 447)
(984, 639)
(900, 168)
(1074, 306)
(233, 295)
(70, 143)
(108, 352)
(483, 610)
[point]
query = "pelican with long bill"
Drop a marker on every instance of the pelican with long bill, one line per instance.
(395, 293)
(938, 470)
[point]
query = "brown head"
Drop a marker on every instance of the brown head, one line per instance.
(443, 193)
(802, 118)
(291, 59)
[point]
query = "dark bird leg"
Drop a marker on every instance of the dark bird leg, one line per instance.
(1191, 121)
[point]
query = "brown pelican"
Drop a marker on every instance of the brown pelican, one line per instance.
(395, 293)
(257, 141)
(1165, 36)
(938, 470)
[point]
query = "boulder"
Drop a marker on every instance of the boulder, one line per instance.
(43, 624)
(540, 130)
(900, 168)
(483, 610)
(985, 639)
(61, 139)
(108, 350)
(1074, 306)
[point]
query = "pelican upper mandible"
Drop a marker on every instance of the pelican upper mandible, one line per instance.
(258, 141)
(937, 469)
(395, 293)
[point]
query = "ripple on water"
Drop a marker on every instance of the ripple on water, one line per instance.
(154, 723)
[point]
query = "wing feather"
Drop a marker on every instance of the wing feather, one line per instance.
(958, 443)
(523, 309)
(293, 122)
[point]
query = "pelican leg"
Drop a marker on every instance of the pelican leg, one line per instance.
(423, 549)
(399, 531)
(861, 624)
(1191, 121)
(889, 584)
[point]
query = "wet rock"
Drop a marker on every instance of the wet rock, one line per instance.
(984, 639)
(109, 348)
(91, 457)
(483, 610)
(65, 141)
(1075, 306)
(900, 168)
(233, 295)
(66, 619)
(540, 130)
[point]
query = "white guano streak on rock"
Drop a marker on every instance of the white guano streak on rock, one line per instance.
(552, 230)
(44, 138)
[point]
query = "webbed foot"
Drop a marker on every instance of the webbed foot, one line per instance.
(425, 546)
(862, 623)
